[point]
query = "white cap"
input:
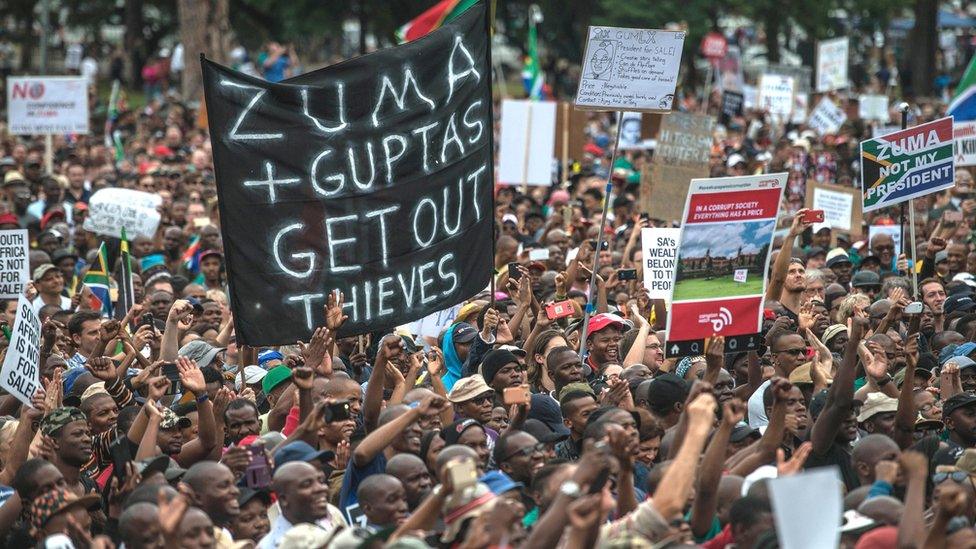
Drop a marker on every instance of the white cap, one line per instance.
(735, 159)
(967, 278)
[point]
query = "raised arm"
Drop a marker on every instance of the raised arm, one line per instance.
(390, 347)
(176, 321)
(675, 487)
(840, 396)
(197, 449)
(378, 440)
(636, 353)
(778, 276)
(905, 416)
(706, 494)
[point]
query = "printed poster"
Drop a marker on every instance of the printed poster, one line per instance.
(728, 227)
(907, 164)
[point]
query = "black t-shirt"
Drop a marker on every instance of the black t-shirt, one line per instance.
(838, 454)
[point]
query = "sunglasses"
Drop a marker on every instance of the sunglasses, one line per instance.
(481, 399)
(956, 476)
(527, 451)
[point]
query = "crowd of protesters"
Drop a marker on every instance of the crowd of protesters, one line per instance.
(159, 430)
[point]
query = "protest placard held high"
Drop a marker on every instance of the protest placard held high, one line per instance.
(373, 177)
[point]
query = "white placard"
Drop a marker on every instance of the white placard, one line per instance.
(873, 107)
(39, 105)
(881, 131)
(740, 275)
(14, 265)
(528, 139)
(832, 64)
(801, 105)
(964, 146)
(20, 374)
(660, 256)
(807, 508)
(837, 207)
(630, 69)
(776, 94)
(111, 209)
(894, 231)
(432, 324)
(750, 96)
(827, 117)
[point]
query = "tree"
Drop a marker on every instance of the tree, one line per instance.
(924, 39)
(204, 28)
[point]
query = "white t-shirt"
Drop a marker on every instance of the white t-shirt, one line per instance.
(757, 411)
(38, 303)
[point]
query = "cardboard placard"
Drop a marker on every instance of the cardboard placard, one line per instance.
(776, 94)
(827, 118)
(807, 508)
(841, 206)
(111, 209)
(630, 69)
(682, 154)
(873, 107)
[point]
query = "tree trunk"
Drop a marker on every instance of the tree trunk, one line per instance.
(133, 41)
(771, 25)
(194, 17)
(924, 41)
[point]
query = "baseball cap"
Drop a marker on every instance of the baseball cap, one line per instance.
(542, 432)
(42, 270)
(300, 451)
(451, 433)
(62, 253)
(833, 331)
(9, 219)
(576, 386)
(499, 483)
(275, 377)
(966, 278)
(877, 403)
(170, 420)
(60, 417)
(603, 320)
(953, 403)
(97, 388)
(864, 279)
(469, 387)
(961, 362)
(465, 504)
(252, 374)
(941, 256)
(13, 178)
(815, 251)
(462, 332)
(834, 259)
(200, 352)
(247, 494)
(742, 431)
(517, 351)
(208, 253)
(268, 355)
(301, 536)
(958, 302)
(158, 464)
(543, 408)
(735, 159)
(870, 258)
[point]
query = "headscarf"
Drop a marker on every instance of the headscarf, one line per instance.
(452, 366)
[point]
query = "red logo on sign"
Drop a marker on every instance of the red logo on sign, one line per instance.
(714, 46)
(727, 317)
(27, 90)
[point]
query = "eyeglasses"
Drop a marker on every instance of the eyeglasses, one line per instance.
(956, 476)
(799, 351)
(527, 451)
(481, 399)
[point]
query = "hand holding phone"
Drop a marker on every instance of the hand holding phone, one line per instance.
(171, 372)
(516, 395)
(559, 310)
(337, 411)
(627, 274)
(258, 472)
(813, 216)
(513, 271)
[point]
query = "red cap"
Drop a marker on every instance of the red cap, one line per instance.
(162, 151)
(206, 253)
(593, 149)
(49, 217)
(9, 219)
(601, 321)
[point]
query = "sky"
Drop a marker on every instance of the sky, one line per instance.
(724, 239)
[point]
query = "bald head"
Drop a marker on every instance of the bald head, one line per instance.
(139, 526)
(383, 500)
(200, 473)
(403, 463)
(884, 509)
(412, 473)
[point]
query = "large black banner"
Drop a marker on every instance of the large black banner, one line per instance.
(373, 177)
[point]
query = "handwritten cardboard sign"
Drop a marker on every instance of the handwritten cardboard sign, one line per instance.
(682, 154)
(20, 374)
(776, 94)
(14, 266)
(630, 69)
(832, 64)
(827, 117)
(373, 177)
(111, 209)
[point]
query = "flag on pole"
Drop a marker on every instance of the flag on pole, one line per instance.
(191, 257)
(98, 282)
(437, 15)
(126, 293)
(532, 76)
(963, 106)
